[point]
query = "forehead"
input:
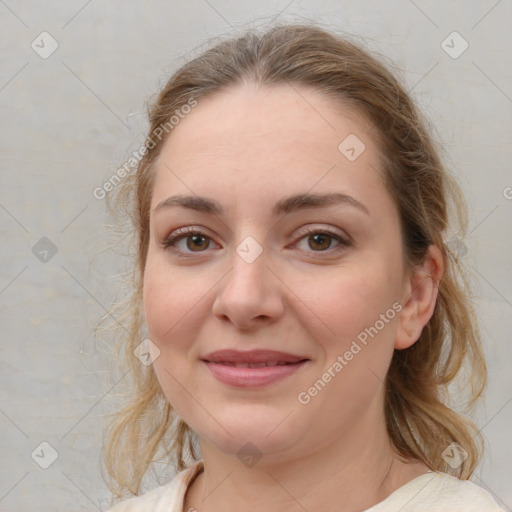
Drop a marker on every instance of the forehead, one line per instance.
(279, 115)
(245, 139)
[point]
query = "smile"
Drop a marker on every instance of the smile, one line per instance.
(247, 375)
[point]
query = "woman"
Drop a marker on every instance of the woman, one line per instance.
(302, 311)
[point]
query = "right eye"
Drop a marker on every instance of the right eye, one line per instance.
(195, 241)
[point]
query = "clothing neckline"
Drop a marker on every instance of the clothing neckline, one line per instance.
(415, 482)
(198, 467)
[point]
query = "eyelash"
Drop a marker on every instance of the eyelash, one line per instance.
(183, 233)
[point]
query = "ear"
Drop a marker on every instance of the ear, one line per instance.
(419, 298)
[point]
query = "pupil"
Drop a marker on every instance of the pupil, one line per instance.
(195, 238)
(319, 238)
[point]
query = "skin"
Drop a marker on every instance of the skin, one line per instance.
(247, 148)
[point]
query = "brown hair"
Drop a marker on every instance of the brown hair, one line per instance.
(420, 422)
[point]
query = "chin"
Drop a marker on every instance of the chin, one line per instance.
(264, 436)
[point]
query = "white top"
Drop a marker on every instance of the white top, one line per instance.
(430, 492)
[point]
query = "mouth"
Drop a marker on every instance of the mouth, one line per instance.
(245, 375)
(264, 364)
(254, 368)
(262, 357)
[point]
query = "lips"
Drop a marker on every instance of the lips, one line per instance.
(252, 359)
(256, 368)
(254, 365)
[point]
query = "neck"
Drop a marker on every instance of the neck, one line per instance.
(354, 472)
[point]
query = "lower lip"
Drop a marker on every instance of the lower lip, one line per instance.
(252, 377)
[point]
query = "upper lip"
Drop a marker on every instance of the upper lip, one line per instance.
(252, 356)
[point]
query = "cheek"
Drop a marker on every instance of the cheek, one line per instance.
(168, 298)
(358, 323)
(350, 299)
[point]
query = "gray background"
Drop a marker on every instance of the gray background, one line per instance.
(71, 119)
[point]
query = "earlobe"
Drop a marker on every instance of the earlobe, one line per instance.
(420, 297)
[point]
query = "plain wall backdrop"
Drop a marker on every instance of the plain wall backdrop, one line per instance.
(74, 78)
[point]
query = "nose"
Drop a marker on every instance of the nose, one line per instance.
(250, 294)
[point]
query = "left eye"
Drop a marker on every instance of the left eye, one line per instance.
(320, 241)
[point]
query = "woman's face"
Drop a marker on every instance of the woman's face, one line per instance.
(322, 280)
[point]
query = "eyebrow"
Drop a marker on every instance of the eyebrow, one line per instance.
(282, 207)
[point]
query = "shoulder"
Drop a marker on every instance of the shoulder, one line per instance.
(440, 492)
(465, 495)
(165, 498)
(147, 501)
